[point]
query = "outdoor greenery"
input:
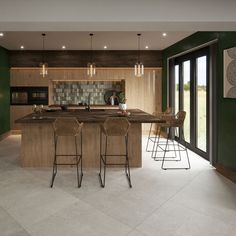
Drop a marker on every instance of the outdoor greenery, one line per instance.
(187, 86)
(201, 118)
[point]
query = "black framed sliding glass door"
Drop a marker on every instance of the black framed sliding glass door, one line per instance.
(189, 91)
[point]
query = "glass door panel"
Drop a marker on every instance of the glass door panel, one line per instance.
(176, 88)
(186, 98)
(201, 103)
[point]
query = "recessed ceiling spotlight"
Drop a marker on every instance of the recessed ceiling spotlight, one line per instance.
(146, 47)
(105, 47)
(22, 47)
(1, 34)
(164, 34)
(63, 47)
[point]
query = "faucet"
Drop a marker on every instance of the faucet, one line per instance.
(88, 104)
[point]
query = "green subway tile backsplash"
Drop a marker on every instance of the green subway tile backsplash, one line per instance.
(78, 92)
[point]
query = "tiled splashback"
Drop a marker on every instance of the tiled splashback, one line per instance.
(77, 92)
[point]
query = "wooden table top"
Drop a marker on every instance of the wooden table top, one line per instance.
(93, 116)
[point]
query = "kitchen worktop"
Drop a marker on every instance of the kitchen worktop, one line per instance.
(93, 116)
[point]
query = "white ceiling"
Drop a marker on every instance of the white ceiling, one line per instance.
(81, 40)
(114, 22)
(117, 15)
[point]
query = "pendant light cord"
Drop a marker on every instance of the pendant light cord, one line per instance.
(139, 47)
(91, 47)
(43, 56)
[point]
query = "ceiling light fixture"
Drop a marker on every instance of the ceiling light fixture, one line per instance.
(22, 47)
(164, 34)
(139, 67)
(105, 47)
(43, 65)
(91, 67)
(63, 47)
(146, 47)
(1, 34)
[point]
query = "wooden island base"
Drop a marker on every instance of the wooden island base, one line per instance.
(37, 147)
(37, 144)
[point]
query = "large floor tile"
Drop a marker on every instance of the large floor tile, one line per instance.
(210, 194)
(9, 226)
(173, 220)
(79, 219)
(20, 233)
(135, 233)
(16, 185)
(38, 205)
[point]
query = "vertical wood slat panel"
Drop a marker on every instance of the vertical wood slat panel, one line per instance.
(37, 146)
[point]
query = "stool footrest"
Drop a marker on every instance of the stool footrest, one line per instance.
(67, 155)
(124, 155)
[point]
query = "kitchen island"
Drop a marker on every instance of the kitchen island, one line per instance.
(37, 143)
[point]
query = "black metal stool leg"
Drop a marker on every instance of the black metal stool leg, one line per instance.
(150, 130)
(157, 143)
(100, 155)
(163, 160)
(81, 156)
(176, 135)
(189, 166)
(179, 145)
(80, 159)
(127, 168)
(174, 145)
(154, 144)
(54, 170)
(78, 162)
(103, 162)
(184, 149)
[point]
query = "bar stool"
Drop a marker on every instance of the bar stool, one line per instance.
(114, 127)
(175, 122)
(68, 127)
(156, 138)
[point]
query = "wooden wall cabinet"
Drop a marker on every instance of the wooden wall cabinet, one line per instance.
(27, 77)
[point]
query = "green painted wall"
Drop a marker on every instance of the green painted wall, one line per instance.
(226, 140)
(4, 92)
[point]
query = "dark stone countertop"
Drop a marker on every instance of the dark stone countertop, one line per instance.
(93, 116)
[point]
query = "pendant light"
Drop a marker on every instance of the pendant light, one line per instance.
(91, 67)
(43, 65)
(139, 67)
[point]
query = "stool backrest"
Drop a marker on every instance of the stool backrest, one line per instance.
(168, 111)
(116, 126)
(67, 127)
(180, 117)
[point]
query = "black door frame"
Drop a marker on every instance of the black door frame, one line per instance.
(192, 56)
(213, 92)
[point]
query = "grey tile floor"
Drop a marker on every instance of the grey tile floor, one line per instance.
(177, 202)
